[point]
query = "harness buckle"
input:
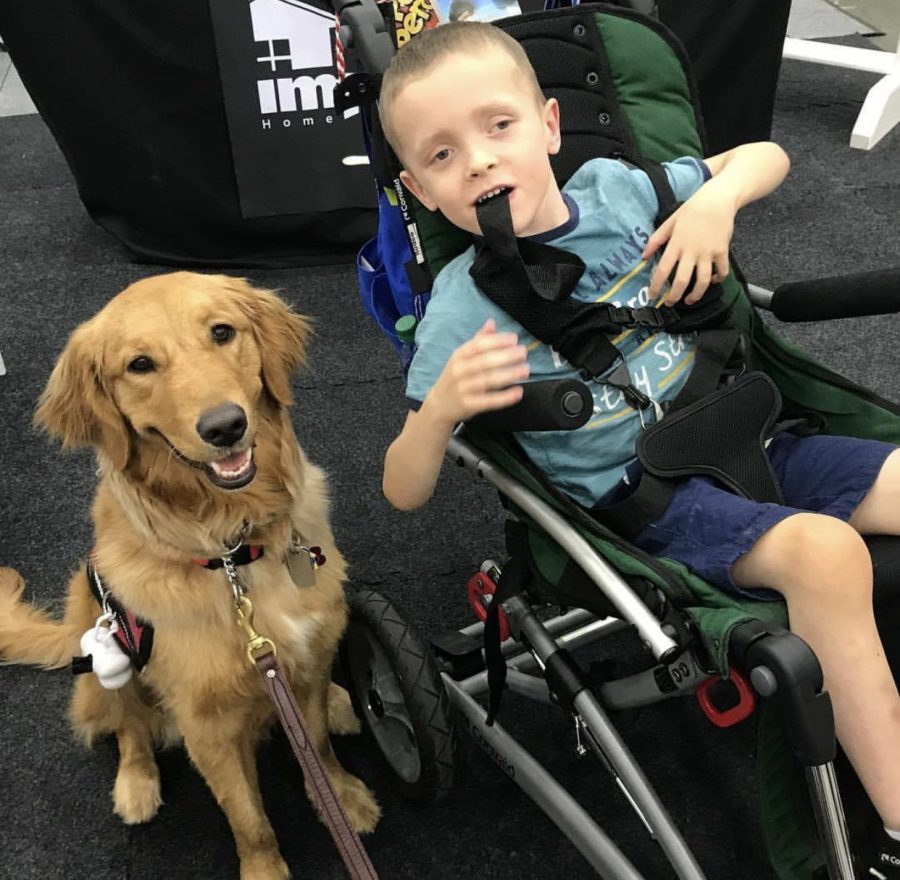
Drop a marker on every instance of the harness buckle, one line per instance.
(649, 316)
(645, 316)
(620, 378)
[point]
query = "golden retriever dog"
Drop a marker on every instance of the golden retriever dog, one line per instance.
(181, 385)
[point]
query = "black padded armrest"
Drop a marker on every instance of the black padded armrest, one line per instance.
(550, 405)
(847, 296)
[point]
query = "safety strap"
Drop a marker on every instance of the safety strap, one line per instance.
(532, 282)
(666, 202)
(514, 578)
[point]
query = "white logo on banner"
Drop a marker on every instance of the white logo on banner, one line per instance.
(294, 41)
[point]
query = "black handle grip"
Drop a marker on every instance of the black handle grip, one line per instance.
(847, 296)
(549, 405)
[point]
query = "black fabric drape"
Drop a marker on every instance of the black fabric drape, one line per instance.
(735, 48)
(132, 94)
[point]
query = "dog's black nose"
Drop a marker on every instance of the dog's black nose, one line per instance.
(222, 425)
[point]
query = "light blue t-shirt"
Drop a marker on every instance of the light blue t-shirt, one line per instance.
(612, 208)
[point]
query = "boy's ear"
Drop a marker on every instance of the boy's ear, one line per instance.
(551, 121)
(417, 190)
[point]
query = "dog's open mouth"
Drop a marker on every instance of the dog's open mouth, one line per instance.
(233, 471)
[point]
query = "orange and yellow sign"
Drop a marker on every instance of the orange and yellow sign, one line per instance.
(413, 17)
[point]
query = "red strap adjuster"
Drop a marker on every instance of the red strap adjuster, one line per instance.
(481, 589)
(727, 717)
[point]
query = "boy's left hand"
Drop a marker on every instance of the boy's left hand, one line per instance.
(696, 238)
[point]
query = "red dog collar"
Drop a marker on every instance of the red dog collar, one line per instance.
(244, 555)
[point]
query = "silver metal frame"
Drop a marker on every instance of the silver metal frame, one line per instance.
(535, 640)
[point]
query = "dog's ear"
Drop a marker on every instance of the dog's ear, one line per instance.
(76, 406)
(280, 333)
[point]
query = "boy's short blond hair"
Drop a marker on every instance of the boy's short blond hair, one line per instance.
(426, 49)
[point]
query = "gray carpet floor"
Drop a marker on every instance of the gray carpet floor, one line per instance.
(838, 212)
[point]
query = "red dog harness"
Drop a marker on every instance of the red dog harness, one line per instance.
(135, 635)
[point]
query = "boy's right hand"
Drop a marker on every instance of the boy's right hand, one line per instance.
(481, 375)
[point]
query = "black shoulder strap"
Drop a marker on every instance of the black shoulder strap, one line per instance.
(659, 180)
(532, 282)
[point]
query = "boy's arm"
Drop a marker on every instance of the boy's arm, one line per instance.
(696, 237)
(480, 375)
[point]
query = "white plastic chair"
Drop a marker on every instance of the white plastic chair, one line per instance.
(881, 109)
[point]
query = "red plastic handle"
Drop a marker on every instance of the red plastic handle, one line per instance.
(480, 586)
(729, 717)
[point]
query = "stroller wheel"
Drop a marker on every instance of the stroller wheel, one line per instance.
(397, 691)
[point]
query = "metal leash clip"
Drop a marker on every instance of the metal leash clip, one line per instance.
(257, 645)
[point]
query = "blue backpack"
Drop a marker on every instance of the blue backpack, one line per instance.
(393, 280)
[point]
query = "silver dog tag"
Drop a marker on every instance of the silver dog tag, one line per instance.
(301, 567)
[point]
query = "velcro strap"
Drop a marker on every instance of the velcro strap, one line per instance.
(722, 436)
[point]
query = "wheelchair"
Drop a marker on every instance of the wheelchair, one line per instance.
(571, 581)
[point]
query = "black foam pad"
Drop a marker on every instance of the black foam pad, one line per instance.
(720, 436)
(846, 296)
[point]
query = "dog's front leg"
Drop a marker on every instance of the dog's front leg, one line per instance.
(227, 760)
(96, 712)
(315, 701)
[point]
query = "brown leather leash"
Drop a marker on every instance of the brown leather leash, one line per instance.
(261, 652)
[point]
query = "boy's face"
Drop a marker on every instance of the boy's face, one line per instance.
(471, 125)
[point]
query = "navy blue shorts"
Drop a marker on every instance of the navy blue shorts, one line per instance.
(709, 528)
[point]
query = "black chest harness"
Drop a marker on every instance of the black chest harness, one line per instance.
(721, 420)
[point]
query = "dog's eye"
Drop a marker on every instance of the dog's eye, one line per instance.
(141, 364)
(222, 333)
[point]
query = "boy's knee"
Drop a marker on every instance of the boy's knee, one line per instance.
(821, 553)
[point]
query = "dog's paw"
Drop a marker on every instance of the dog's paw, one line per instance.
(11, 585)
(264, 866)
(341, 717)
(136, 795)
(359, 803)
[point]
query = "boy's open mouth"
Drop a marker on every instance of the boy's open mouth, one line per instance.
(493, 194)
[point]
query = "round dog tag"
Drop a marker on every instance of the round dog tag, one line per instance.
(301, 567)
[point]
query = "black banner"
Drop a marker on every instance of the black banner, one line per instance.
(293, 152)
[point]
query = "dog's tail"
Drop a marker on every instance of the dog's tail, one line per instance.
(27, 633)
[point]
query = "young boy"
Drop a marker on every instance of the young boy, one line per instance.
(462, 108)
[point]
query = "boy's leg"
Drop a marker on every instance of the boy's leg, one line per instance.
(879, 512)
(823, 569)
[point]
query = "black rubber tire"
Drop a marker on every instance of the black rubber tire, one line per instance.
(419, 721)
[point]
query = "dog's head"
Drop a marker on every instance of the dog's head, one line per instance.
(180, 361)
